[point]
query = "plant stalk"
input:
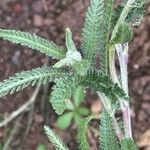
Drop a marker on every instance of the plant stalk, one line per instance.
(123, 60)
(112, 67)
(122, 17)
(122, 51)
(108, 107)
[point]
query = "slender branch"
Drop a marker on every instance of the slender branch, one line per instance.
(12, 134)
(122, 51)
(123, 66)
(112, 67)
(122, 17)
(108, 107)
(21, 109)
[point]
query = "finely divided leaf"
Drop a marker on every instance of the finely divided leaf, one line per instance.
(82, 67)
(98, 81)
(69, 41)
(33, 41)
(62, 92)
(96, 30)
(124, 34)
(108, 140)
(137, 13)
(128, 144)
(82, 133)
(58, 143)
(21, 80)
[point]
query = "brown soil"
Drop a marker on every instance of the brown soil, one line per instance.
(49, 20)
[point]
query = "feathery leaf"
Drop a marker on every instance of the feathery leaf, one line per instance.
(35, 76)
(69, 41)
(108, 140)
(135, 16)
(82, 67)
(96, 80)
(128, 144)
(58, 143)
(96, 30)
(33, 41)
(124, 34)
(72, 55)
(62, 92)
(99, 81)
(82, 133)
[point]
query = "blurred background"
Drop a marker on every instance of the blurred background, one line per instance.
(49, 18)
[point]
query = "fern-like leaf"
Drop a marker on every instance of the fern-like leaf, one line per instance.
(58, 143)
(82, 133)
(124, 34)
(62, 92)
(72, 55)
(35, 76)
(135, 17)
(108, 140)
(128, 144)
(82, 67)
(96, 30)
(96, 80)
(34, 42)
(69, 41)
(99, 81)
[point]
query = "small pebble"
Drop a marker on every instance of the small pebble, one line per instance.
(38, 20)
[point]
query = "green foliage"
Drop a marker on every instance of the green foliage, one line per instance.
(124, 34)
(96, 30)
(108, 140)
(91, 31)
(69, 41)
(104, 27)
(96, 80)
(79, 96)
(64, 120)
(72, 55)
(58, 143)
(116, 14)
(83, 111)
(35, 76)
(134, 17)
(82, 67)
(128, 144)
(99, 81)
(41, 147)
(76, 112)
(138, 10)
(1, 146)
(62, 92)
(82, 131)
(34, 42)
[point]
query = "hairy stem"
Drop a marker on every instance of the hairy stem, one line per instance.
(107, 106)
(123, 67)
(122, 17)
(122, 51)
(112, 67)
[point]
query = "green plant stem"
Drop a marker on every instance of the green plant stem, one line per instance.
(112, 67)
(107, 106)
(124, 105)
(122, 17)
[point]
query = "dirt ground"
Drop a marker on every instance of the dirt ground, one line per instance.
(49, 18)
